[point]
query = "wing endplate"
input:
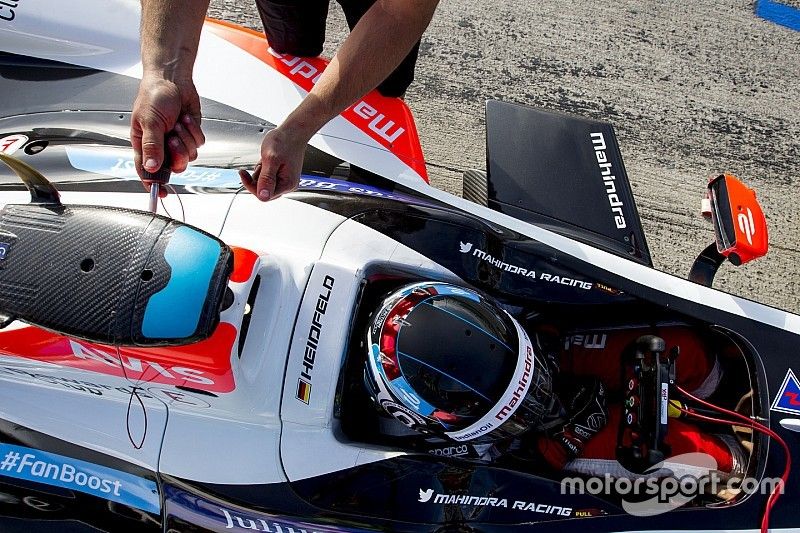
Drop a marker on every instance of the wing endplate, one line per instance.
(565, 173)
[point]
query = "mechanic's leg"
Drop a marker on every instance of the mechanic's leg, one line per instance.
(398, 81)
(295, 27)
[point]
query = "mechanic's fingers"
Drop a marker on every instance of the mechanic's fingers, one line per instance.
(267, 180)
(179, 153)
(136, 141)
(137, 158)
(285, 184)
(249, 182)
(192, 125)
(152, 146)
(187, 139)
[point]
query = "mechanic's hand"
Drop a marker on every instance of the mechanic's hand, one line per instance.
(278, 172)
(170, 110)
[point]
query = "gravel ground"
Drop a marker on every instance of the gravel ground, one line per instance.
(692, 89)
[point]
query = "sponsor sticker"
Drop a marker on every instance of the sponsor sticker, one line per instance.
(332, 184)
(788, 398)
(249, 521)
(374, 120)
(664, 402)
(8, 9)
(403, 414)
(60, 471)
(4, 248)
(430, 496)
(214, 517)
(312, 341)
(169, 365)
(12, 143)
(168, 396)
(606, 172)
(406, 392)
(531, 274)
(117, 164)
(449, 451)
(590, 340)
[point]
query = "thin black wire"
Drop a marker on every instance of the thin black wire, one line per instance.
(164, 207)
(230, 205)
(180, 202)
(134, 393)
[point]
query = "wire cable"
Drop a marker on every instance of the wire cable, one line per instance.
(742, 420)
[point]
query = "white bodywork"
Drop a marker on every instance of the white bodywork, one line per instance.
(259, 432)
(236, 437)
(104, 35)
(112, 44)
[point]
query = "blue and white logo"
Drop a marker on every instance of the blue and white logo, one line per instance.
(59, 471)
(788, 398)
(119, 164)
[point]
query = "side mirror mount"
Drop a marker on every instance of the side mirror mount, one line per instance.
(740, 228)
(739, 223)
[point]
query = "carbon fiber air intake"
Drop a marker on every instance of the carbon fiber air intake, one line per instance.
(105, 274)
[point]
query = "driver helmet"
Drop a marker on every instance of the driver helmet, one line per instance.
(449, 361)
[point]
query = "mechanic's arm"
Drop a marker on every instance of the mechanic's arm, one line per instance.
(167, 102)
(375, 47)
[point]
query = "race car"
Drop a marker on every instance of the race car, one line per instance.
(201, 369)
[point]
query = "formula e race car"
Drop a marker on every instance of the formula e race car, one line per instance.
(201, 369)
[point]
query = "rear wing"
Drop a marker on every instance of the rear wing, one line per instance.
(565, 173)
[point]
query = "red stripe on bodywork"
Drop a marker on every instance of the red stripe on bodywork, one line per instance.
(244, 261)
(386, 120)
(204, 365)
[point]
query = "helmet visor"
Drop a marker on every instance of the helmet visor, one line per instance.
(527, 397)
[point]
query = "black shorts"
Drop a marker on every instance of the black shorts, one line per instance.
(297, 27)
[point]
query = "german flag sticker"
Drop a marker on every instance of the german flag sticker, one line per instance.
(303, 391)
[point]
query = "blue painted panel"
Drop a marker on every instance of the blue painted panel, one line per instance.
(174, 311)
(56, 470)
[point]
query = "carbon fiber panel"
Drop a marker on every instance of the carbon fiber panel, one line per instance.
(90, 272)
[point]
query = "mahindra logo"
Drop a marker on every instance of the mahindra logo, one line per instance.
(377, 122)
(746, 225)
(521, 390)
(609, 179)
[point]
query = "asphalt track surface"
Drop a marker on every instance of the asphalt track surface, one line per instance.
(692, 88)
